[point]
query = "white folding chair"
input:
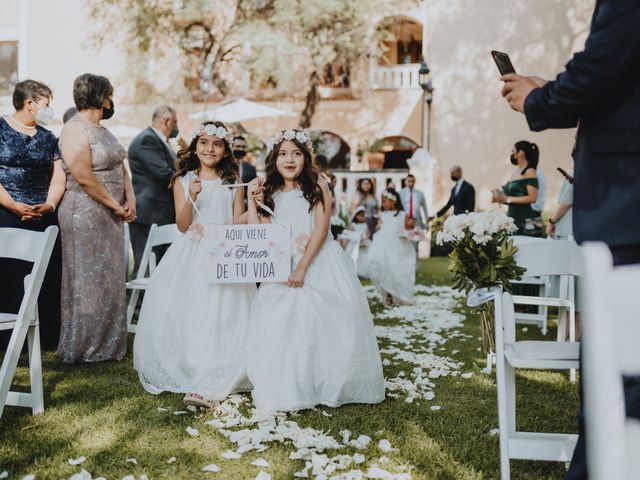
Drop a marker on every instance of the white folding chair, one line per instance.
(538, 355)
(33, 247)
(540, 317)
(164, 235)
(352, 248)
(611, 329)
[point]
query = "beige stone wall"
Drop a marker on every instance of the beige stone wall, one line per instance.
(471, 124)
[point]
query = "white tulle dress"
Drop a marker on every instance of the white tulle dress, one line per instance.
(315, 344)
(191, 332)
(363, 266)
(392, 259)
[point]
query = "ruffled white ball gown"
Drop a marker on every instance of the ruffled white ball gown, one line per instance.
(315, 344)
(191, 332)
(392, 259)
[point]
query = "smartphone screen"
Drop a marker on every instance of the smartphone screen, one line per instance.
(503, 62)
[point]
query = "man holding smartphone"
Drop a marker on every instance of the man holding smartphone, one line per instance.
(600, 91)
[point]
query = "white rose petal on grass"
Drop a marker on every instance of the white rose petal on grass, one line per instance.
(326, 414)
(212, 467)
(525, 329)
(82, 475)
(260, 462)
(385, 446)
(215, 423)
(77, 461)
(231, 455)
(132, 460)
(358, 458)
(193, 431)
(172, 460)
(180, 412)
(162, 409)
(467, 375)
(302, 473)
(29, 477)
(494, 431)
(361, 442)
(436, 408)
(129, 477)
(4, 474)
(192, 408)
(375, 472)
(262, 475)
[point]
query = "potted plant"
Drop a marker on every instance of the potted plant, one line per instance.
(375, 158)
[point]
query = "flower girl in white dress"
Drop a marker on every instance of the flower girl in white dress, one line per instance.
(392, 257)
(311, 341)
(359, 224)
(191, 332)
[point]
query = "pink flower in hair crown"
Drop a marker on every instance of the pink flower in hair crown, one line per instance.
(290, 134)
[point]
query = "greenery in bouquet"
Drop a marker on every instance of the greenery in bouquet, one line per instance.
(482, 257)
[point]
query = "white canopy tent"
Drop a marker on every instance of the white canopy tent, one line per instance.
(240, 109)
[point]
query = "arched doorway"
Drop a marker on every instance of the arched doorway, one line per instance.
(401, 41)
(397, 150)
(332, 146)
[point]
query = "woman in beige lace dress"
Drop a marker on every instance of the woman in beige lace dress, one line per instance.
(99, 198)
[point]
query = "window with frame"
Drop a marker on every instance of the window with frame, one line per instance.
(8, 67)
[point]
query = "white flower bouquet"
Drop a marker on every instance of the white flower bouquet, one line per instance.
(482, 257)
(337, 226)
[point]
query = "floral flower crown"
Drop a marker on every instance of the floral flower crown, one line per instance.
(388, 195)
(290, 134)
(210, 129)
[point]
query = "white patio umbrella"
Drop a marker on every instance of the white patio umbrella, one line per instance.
(240, 109)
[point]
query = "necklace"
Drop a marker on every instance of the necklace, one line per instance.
(26, 127)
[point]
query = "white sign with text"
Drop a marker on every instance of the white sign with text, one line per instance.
(250, 253)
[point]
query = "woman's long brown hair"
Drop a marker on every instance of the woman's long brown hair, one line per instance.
(188, 160)
(308, 179)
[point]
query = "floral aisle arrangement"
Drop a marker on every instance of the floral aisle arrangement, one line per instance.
(482, 257)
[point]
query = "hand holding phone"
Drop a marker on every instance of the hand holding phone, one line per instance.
(503, 62)
(565, 175)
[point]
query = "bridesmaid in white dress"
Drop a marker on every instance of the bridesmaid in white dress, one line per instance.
(358, 224)
(191, 332)
(392, 257)
(311, 341)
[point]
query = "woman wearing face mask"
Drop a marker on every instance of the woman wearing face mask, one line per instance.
(99, 199)
(521, 191)
(31, 186)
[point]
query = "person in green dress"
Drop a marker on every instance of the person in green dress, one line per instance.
(521, 191)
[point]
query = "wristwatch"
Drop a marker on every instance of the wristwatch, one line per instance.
(508, 200)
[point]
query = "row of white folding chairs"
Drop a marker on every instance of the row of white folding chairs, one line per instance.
(158, 236)
(611, 330)
(33, 247)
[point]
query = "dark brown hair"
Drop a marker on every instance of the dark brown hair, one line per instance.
(188, 160)
(361, 191)
(308, 179)
(29, 90)
(398, 206)
(90, 91)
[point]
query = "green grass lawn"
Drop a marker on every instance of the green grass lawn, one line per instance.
(101, 412)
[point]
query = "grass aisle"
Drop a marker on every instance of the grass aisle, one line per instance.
(101, 412)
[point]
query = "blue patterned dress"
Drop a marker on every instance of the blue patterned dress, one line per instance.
(26, 166)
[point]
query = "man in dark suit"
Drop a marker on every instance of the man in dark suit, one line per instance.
(247, 171)
(152, 164)
(600, 91)
(463, 195)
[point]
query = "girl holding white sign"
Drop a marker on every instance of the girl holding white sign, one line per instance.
(190, 332)
(311, 341)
